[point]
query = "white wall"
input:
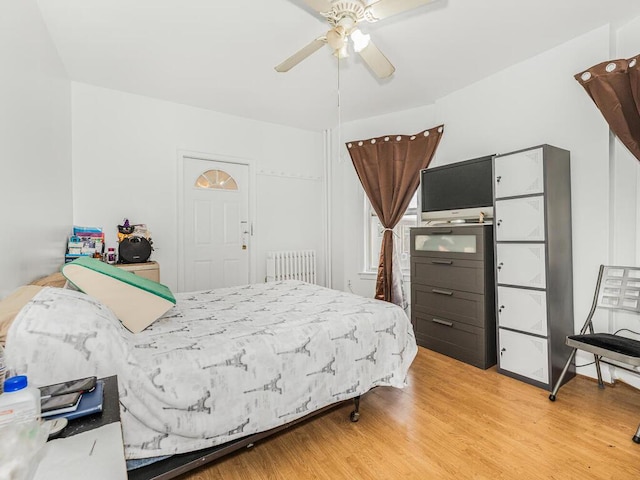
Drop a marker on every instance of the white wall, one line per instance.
(35, 148)
(627, 170)
(125, 164)
(537, 101)
(625, 214)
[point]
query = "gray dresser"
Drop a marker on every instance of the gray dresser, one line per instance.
(534, 293)
(452, 292)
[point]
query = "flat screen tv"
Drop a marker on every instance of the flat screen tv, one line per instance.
(458, 191)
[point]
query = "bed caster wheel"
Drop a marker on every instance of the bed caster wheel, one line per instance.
(354, 417)
(552, 397)
(636, 439)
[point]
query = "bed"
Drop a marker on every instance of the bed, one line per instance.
(221, 364)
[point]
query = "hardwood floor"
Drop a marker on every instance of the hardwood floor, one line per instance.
(456, 421)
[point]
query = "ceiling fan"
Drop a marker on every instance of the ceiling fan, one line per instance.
(344, 17)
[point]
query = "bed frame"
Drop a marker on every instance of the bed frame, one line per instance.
(179, 464)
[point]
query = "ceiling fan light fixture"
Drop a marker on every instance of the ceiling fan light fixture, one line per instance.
(336, 38)
(360, 40)
(343, 16)
(341, 52)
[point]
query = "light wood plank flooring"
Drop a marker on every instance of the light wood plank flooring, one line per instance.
(455, 421)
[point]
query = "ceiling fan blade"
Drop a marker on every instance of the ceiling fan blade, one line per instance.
(301, 54)
(386, 8)
(320, 6)
(376, 61)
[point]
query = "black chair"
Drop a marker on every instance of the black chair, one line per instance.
(618, 288)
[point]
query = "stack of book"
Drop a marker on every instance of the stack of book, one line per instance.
(85, 242)
(60, 401)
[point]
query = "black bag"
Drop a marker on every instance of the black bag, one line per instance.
(134, 249)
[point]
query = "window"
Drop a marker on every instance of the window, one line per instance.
(401, 232)
(216, 179)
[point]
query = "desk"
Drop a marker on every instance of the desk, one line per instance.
(89, 447)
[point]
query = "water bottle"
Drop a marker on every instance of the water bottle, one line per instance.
(3, 369)
(19, 402)
(111, 256)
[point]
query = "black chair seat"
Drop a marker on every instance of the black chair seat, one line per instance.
(607, 341)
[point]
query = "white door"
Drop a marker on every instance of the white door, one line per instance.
(523, 309)
(521, 264)
(524, 354)
(518, 174)
(216, 224)
(520, 219)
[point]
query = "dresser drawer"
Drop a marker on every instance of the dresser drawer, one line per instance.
(149, 270)
(461, 341)
(463, 275)
(459, 242)
(465, 307)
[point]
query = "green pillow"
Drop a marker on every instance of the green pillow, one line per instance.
(136, 301)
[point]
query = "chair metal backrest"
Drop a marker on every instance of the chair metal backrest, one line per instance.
(619, 288)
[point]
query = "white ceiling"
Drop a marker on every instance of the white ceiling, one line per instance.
(220, 55)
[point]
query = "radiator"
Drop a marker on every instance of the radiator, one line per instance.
(298, 265)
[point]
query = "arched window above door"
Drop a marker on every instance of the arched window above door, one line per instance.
(216, 179)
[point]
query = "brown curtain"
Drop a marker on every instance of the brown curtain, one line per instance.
(389, 170)
(614, 86)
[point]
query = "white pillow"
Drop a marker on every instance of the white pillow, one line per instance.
(137, 301)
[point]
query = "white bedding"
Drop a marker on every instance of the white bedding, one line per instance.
(221, 364)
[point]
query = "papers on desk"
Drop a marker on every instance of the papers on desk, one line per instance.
(97, 454)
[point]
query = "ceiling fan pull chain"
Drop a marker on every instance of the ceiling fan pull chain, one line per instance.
(339, 116)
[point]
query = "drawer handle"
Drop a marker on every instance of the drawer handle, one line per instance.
(441, 232)
(500, 308)
(500, 266)
(499, 223)
(502, 350)
(442, 322)
(498, 178)
(441, 292)
(442, 262)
